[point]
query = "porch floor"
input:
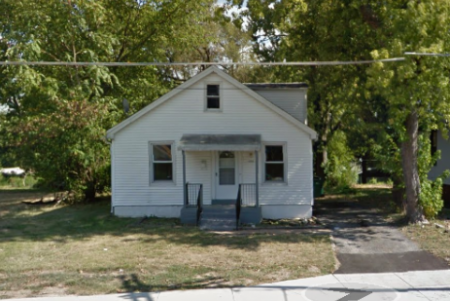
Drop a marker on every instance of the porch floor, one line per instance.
(223, 202)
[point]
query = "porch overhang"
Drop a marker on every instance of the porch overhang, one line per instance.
(212, 142)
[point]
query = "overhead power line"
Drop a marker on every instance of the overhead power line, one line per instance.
(427, 54)
(141, 64)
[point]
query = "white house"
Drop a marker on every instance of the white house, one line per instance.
(208, 141)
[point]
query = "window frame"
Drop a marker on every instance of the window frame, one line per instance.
(152, 180)
(220, 97)
(284, 162)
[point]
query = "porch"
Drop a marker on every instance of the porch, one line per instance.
(232, 189)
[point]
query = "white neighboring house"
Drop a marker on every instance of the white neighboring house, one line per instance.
(216, 133)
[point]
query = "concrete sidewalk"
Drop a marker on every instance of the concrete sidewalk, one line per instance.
(408, 286)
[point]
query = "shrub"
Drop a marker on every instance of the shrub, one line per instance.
(340, 168)
(431, 197)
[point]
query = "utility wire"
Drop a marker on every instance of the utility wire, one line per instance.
(139, 64)
(427, 54)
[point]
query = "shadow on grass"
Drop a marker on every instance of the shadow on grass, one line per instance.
(133, 283)
(377, 198)
(60, 223)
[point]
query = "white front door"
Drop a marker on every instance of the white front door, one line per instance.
(226, 176)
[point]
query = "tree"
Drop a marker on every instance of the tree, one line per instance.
(418, 89)
(322, 30)
(59, 115)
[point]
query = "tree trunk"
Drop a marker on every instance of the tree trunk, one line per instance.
(364, 169)
(321, 158)
(414, 212)
(89, 193)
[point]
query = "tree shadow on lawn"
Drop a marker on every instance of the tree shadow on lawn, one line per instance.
(134, 283)
(60, 223)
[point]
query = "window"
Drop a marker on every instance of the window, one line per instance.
(162, 163)
(227, 169)
(212, 97)
(274, 163)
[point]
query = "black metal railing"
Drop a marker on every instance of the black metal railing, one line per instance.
(248, 194)
(238, 207)
(192, 194)
(194, 197)
(199, 204)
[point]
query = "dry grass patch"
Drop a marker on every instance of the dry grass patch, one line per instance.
(431, 238)
(81, 249)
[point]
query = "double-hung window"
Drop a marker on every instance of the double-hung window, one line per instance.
(161, 162)
(274, 163)
(213, 97)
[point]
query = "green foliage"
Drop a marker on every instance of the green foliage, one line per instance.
(66, 147)
(386, 151)
(431, 197)
(59, 114)
(28, 181)
(324, 30)
(340, 167)
(373, 181)
(430, 191)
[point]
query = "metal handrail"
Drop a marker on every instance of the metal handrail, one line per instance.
(238, 207)
(192, 192)
(199, 204)
(194, 197)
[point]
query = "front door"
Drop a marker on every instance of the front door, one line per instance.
(226, 176)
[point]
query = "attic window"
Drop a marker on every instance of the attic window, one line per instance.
(213, 97)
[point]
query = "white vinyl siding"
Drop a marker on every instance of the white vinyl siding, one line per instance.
(199, 170)
(185, 114)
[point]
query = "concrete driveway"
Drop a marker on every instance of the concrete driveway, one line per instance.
(366, 243)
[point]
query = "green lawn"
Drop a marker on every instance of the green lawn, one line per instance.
(82, 249)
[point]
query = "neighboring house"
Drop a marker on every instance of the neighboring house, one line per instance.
(439, 143)
(209, 140)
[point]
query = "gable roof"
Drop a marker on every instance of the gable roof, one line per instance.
(111, 132)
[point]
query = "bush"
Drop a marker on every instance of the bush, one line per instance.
(340, 169)
(431, 197)
(17, 182)
(430, 191)
(66, 148)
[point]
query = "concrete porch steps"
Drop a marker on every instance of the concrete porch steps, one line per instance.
(218, 218)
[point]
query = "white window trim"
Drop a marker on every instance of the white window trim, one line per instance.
(285, 165)
(152, 181)
(220, 109)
